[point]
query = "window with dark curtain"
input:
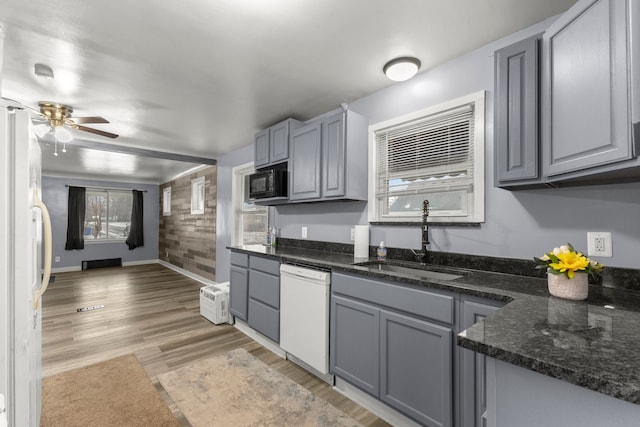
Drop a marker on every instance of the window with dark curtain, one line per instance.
(75, 218)
(136, 234)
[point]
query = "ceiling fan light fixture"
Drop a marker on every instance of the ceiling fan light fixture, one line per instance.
(401, 69)
(62, 134)
(41, 130)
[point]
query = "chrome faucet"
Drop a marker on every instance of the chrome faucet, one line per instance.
(423, 255)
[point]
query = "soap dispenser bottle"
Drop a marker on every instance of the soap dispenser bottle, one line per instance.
(381, 252)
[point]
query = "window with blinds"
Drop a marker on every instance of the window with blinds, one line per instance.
(435, 154)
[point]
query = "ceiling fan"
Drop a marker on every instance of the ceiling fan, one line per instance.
(58, 119)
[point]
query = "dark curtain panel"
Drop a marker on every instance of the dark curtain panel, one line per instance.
(75, 218)
(136, 235)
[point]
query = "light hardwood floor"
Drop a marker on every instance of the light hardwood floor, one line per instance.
(154, 313)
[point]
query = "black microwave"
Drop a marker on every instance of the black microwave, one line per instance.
(268, 183)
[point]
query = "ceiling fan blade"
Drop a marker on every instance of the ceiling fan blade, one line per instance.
(96, 131)
(92, 119)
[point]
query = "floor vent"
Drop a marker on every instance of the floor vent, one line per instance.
(93, 307)
(101, 263)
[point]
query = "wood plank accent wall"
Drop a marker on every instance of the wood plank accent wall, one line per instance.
(189, 241)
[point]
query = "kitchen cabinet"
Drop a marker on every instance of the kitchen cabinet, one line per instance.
(517, 142)
(239, 285)
(327, 160)
(304, 171)
(473, 367)
(255, 293)
(264, 296)
(587, 97)
(271, 146)
(395, 342)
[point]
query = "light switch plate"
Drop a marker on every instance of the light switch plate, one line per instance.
(304, 232)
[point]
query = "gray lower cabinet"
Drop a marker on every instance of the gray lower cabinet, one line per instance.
(517, 145)
(239, 285)
(586, 114)
(328, 159)
(473, 367)
(400, 357)
(255, 293)
(416, 368)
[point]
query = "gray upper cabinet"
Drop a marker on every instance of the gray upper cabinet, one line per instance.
(516, 114)
(586, 115)
(304, 173)
(271, 146)
(328, 159)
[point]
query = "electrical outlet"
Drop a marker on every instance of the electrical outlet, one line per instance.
(57, 259)
(599, 244)
(166, 254)
(353, 234)
(304, 232)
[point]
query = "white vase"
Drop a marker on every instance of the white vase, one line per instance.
(562, 287)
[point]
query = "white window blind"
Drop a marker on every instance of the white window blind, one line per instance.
(431, 156)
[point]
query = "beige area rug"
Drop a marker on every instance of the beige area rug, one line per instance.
(236, 389)
(117, 392)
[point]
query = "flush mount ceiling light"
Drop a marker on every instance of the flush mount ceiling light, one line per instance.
(401, 69)
(43, 71)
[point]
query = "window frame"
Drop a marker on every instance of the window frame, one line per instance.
(109, 192)
(474, 197)
(237, 198)
(166, 201)
(197, 196)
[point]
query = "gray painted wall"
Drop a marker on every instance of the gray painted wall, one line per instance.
(519, 224)
(55, 196)
(225, 209)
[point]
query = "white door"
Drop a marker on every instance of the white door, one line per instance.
(21, 229)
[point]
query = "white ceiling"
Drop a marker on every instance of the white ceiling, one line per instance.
(199, 77)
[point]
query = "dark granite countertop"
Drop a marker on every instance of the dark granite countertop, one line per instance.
(593, 343)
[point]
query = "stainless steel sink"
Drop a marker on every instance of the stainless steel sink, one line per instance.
(422, 272)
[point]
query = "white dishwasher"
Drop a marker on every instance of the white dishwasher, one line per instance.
(304, 315)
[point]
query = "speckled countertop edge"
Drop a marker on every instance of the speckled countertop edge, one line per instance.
(593, 344)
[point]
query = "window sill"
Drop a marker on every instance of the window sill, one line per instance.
(100, 241)
(429, 223)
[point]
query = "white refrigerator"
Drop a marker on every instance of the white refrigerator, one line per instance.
(25, 265)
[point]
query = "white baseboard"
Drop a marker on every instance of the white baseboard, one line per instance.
(187, 273)
(265, 342)
(372, 405)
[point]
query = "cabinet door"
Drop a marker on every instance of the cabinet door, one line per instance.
(585, 103)
(279, 142)
(354, 350)
(416, 368)
(473, 372)
(304, 173)
(261, 149)
(516, 117)
(238, 292)
(333, 156)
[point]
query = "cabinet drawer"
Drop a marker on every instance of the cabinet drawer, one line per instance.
(264, 288)
(420, 302)
(241, 260)
(264, 319)
(271, 266)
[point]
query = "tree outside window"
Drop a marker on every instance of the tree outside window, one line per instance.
(107, 215)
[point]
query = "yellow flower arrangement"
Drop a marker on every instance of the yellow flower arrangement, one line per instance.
(566, 260)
